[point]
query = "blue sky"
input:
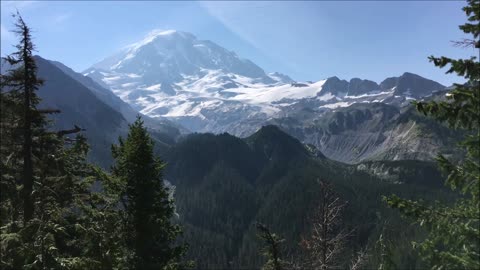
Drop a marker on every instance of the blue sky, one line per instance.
(305, 40)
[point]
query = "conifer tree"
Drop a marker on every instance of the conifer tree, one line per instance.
(271, 249)
(45, 178)
(453, 241)
(23, 82)
(149, 229)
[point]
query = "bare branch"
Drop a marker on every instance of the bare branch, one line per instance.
(327, 239)
(464, 43)
(49, 111)
(76, 129)
(360, 260)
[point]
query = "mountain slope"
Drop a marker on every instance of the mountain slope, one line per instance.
(81, 107)
(84, 103)
(109, 98)
(163, 56)
(374, 131)
(173, 74)
(207, 88)
(224, 184)
(411, 85)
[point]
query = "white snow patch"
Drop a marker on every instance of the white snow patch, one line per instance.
(133, 75)
(110, 79)
(336, 105)
(154, 87)
(326, 97)
(149, 38)
(371, 94)
(276, 93)
(125, 85)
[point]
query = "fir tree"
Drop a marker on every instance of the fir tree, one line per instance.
(23, 82)
(149, 230)
(272, 249)
(453, 241)
(43, 171)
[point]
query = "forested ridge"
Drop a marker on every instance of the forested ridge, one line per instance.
(216, 201)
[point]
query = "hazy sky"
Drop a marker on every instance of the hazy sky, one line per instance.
(305, 40)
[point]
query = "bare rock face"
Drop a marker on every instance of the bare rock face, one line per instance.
(374, 132)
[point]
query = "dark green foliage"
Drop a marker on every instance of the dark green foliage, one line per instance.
(22, 82)
(271, 249)
(71, 217)
(45, 172)
(271, 177)
(38, 173)
(149, 231)
(453, 239)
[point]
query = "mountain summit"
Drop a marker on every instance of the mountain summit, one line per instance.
(170, 56)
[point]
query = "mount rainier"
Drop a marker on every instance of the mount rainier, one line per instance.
(206, 88)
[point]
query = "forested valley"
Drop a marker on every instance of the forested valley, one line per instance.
(139, 194)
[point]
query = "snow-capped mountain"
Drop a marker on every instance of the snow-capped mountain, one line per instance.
(207, 88)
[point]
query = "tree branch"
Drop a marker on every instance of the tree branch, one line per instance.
(49, 111)
(76, 129)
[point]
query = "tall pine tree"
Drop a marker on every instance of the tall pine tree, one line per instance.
(22, 83)
(45, 180)
(149, 228)
(453, 241)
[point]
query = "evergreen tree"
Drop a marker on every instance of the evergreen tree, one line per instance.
(45, 179)
(102, 235)
(22, 83)
(271, 250)
(149, 230)
(453, 241)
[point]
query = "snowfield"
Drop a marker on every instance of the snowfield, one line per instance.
(272, 94)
